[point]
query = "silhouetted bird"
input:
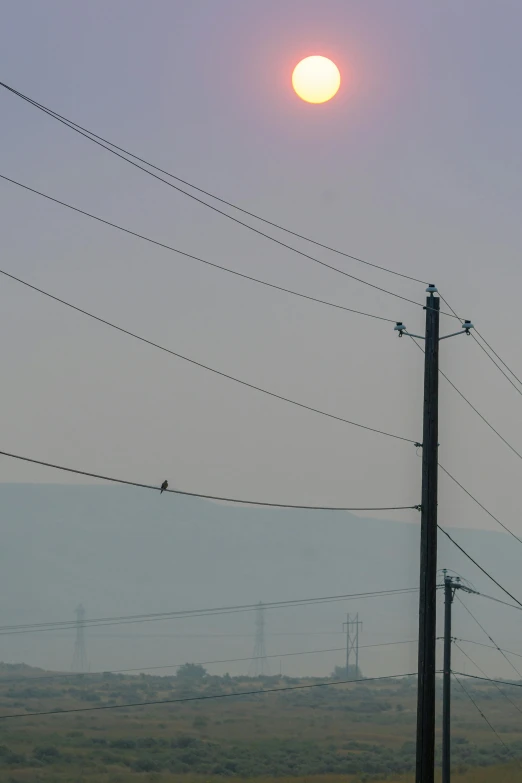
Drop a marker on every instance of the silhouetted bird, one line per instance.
(164, 486)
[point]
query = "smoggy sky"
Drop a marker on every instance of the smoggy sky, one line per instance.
(415, 166)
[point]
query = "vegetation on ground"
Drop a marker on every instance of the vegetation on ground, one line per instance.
(354, 733)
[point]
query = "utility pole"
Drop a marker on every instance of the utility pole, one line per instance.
(446, 687)
(352, 625)
(357, 645)
(79, 663)
(259, 665)
(425, 760)
(428, 565)
(450, 586)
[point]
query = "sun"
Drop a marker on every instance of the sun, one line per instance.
(316, 79)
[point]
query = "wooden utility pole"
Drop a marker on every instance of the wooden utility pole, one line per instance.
(451, 585)
(449, 592)
(425, 762)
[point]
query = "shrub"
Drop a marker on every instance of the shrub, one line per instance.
(48, 753)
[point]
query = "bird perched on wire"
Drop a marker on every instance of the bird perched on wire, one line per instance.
(164, 486)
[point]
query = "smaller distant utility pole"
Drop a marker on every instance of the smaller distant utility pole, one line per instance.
(450, 587)
(352, 642)
(259, 666)
(79, 663)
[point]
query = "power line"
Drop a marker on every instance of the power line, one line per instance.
(470, 697)
(206, 698)
(220, 373)
(489, 679)
(497, 686)
(44, 627)
(198, 258)
(186, 255)
(502, 438)
(136, 620)
(479, 566)
(190, 613)
(498, 357)
(490, 348)
(497, 365)
(199, 495)
(32, 630)
(500, 601)
(228, 635)
(487, 646)
(84, 675)
(100, 141)
(480, 504)
(133, 233)
(461, 602)
(507, 529)
(485, 351)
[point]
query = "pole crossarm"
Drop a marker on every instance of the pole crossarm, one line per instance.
(401, 328)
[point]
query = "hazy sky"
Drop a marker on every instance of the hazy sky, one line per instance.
(416, 165)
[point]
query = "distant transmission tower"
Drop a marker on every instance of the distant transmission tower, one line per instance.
(79, 662)
(259, 665)
(352, 645)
